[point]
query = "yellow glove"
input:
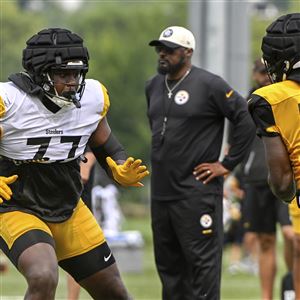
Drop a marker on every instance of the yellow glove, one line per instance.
(5, 191)
(128, 174)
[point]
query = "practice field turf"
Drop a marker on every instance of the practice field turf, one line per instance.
(146, 285)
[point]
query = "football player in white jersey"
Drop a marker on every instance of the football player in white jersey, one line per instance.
(48, 114)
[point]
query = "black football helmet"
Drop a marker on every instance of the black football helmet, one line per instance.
(56, 49)
(281, 46)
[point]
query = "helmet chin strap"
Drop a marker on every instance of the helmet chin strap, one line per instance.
(72, 95)
(59, 101)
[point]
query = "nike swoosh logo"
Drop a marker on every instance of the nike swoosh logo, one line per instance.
(229, 94)
(106, 258)
(248, 101)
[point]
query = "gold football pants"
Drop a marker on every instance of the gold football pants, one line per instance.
(79, 234)
(295, 216)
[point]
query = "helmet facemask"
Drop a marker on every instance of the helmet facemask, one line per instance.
(66, 97)
(277, 71)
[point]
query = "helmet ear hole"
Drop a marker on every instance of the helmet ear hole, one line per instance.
(46, 87)
(58, 60)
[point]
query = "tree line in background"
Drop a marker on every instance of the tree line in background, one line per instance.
(117, 36)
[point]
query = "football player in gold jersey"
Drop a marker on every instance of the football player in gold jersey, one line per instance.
(275, 110)
(48, 115)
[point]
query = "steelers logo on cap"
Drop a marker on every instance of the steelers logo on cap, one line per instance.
(206, 221)
(168, 33)
(181, 97)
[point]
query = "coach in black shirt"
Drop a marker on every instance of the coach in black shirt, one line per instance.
(187, 107)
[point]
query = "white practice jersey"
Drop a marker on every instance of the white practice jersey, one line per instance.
(29, 131)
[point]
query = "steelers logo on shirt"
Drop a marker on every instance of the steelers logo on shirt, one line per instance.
(206, 221)
(181, 97)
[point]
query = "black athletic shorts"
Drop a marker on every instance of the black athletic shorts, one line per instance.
(262, 210)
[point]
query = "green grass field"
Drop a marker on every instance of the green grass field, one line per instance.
(146, 285)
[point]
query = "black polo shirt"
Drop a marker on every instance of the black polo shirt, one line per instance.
(194, 131)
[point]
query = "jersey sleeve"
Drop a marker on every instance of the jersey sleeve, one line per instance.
(5, 103)
(227, 101)
(2, 107)
(106, 104)
(262, 115)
